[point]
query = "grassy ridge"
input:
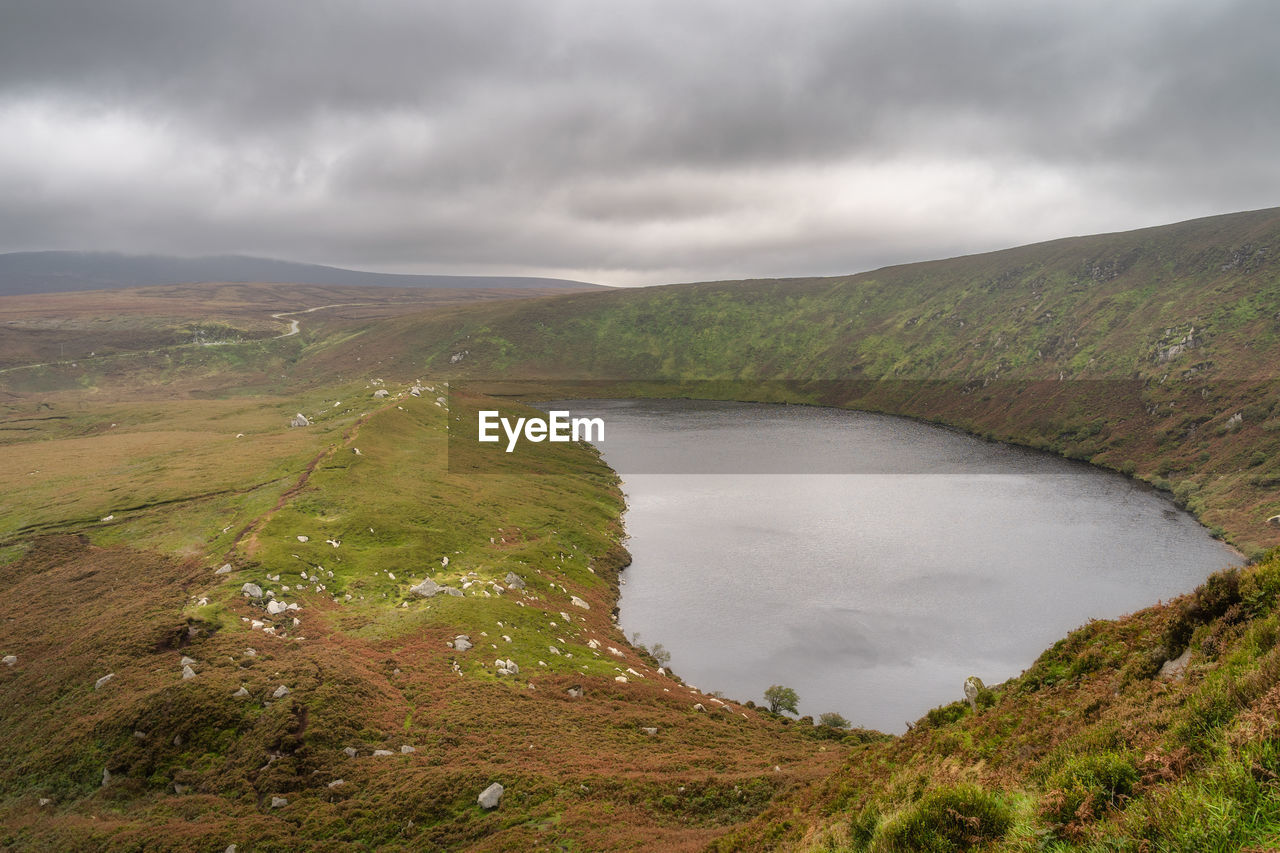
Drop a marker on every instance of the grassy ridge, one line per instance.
(368, 665)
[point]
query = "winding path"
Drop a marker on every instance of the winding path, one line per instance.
(294, 325)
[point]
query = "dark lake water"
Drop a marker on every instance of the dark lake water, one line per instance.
(869, 562)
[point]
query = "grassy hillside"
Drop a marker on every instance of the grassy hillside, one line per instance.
(109, 561)
(1151, 352)
(1093, 748)
(133, 477)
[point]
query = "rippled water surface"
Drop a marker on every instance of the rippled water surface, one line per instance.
(869, 562)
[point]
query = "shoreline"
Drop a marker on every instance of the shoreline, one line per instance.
(1035, 648)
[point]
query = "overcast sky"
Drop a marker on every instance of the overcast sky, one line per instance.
(635, 142)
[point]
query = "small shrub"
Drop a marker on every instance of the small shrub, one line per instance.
(833, 720)
(857, 737)
(1211, 600)
(1086, 787)
(1260, 589)
(945, 714)
(1185, 490)
(1144, 665)
(944, 820)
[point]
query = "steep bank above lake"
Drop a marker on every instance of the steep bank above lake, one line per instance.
(1152, 352)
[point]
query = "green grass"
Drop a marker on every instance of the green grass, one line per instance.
(1089, 749)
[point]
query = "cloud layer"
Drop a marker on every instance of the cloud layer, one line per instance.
(626, 143)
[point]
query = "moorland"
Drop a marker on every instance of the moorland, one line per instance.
(220, 633)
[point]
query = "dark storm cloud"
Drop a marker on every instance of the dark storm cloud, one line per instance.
(626, 142)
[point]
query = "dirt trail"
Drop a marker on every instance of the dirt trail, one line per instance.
(250, 529)
(295, 326)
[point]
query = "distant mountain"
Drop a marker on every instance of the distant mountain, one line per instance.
(57, 272)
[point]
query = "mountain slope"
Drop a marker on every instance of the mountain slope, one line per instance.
(55, 272)
(1152, 351)
(128, 482)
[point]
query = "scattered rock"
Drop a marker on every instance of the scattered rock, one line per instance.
(426, 589)
(1274, 521)
(186, 661)
(179, 788)
(225, 570)
(10, 660)
(280, 692)
(383, 752)
(514, 581)
(279, 802)
(649, 730)
(461, 643)
(350, 751)
(251, 590)
(575, 692)
(698, 707)
(972, 687)
(381, 393)
(578, 602)
(1174, 670)
(490, 796)
(405, 749)
(276, 606)
(188, 672)
(622, 679)
(101, 682)
(106, 777)
(337, 783)
(299, 420)
(241, 693)
(44, 801)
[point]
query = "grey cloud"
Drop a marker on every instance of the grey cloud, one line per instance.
(666, 139)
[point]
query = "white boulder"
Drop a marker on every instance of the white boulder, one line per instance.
(490, 796)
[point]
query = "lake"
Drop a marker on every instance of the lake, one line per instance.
(870, 562)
